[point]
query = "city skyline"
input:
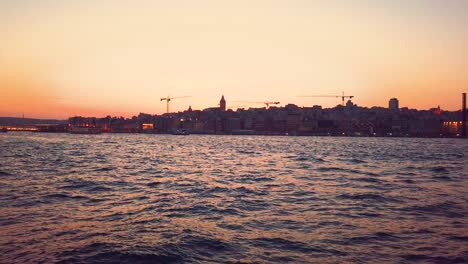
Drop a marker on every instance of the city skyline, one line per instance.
(93, 58)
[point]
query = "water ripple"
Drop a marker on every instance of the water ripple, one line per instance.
(117, 198)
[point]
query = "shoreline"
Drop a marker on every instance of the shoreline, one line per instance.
(256, 134)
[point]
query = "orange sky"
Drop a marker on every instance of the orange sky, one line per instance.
(65, 58)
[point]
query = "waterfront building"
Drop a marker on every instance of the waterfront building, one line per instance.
(291, 119)
(393, 104)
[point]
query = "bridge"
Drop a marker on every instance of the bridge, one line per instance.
(20, 128)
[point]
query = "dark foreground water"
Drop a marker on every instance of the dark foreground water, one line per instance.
(173, 199)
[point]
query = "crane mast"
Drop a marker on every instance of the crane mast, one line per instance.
(168, 99)
(342, 96)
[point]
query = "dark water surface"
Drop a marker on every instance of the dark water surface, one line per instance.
(173, 199)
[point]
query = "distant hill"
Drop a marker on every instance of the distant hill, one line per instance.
(18, 121)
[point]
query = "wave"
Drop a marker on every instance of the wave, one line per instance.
(436, 259)
(345, 170)
(153, 184)
(366, 197)
(65, 196)
(281, 199)
(372, 238)
(112, 256)
(4, 173)
(447, 209)
(439, 169)
(291, 245)
(104, 169)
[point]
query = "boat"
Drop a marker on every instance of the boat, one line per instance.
(181, 132)
(4, 130)
(85, 130)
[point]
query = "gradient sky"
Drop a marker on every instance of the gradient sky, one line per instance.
(99, 57)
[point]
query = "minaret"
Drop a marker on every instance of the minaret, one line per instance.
(222, 104)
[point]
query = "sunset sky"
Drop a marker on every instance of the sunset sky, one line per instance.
(119, 57)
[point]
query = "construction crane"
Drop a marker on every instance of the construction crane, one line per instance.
(265, 103)
(343, 96)
(168, 99)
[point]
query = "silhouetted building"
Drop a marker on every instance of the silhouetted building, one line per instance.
(52, 127)
(222, 104)
(463, 115)
(349, 120)
(436, 110)
(393, 104)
